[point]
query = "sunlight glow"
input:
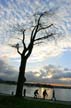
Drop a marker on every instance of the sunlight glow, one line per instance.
(49, 76)
(37, 74)
(65, 79)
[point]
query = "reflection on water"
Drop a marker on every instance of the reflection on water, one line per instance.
(7, 89)
(48, 90)
(60, 94)
(30, 92)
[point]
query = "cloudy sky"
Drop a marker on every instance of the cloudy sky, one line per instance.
(49, 61)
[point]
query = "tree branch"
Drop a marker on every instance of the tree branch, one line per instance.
(29, 49)
(37, 43)
(44, 27)
(17, 46)
(18, 51)
(45, 37)
(23, 40)
(36, 27)
(33, 32)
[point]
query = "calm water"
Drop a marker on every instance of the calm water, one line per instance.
(61, 94)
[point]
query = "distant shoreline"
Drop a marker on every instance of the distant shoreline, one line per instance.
(37, 84)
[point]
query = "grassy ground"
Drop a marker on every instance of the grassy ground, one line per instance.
(14, 102)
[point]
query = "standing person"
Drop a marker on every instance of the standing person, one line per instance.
(12, 93)
(24, 92)
(44, 94)
(53, 95)
(36, 93)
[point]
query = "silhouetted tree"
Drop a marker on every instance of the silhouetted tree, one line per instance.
(27, 49)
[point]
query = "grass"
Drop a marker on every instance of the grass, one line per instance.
(14, 102)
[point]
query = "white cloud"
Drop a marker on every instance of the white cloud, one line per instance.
(50, 74)
(51, 49)
(6, 72)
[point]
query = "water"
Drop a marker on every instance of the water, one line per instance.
(61, 94)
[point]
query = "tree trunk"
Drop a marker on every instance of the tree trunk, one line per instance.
(21, 77)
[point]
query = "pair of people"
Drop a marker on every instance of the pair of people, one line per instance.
(36, 93)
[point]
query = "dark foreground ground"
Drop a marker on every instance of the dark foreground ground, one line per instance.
(14, 102)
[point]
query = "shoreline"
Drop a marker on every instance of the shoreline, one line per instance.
(33, 84)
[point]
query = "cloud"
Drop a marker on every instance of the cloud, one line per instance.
(7, 52)
(48, 74)
(58, 74)
(21, 12)
(7, 72)
(51, 49)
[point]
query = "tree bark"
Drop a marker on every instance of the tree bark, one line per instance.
(21, 78)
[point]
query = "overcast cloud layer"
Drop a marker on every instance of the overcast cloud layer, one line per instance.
(48, 74)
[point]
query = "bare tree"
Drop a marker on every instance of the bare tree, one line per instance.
(27, 49)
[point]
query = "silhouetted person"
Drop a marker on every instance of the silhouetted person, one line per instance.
(36, 93)
(53, 95)
(44, 94)
(12, 93)
(24, 92)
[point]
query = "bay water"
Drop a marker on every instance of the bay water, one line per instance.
(60, 93)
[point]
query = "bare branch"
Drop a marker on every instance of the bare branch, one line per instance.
(29, 49)
(35, 30)
(18, 51)
(37, 43)
(23, 34)
(41, 28)
(38, 27)
(17, 46)
(23, 40)
(45, 37)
